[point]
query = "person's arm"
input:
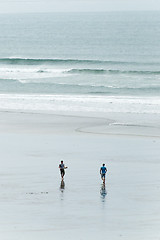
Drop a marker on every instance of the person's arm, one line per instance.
(100, 170)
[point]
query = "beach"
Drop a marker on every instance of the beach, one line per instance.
(82, 88)
(34, 204)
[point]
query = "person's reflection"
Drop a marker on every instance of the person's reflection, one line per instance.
(103, 191)
(62, 188)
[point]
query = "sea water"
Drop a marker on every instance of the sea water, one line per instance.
(105, 62)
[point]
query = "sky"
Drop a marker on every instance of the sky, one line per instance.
(77, 5)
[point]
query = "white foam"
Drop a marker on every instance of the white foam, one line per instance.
(77, 103)
(30, 73)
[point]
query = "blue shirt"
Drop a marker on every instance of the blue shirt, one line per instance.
(103, 170)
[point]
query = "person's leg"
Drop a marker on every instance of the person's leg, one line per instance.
(62, 174)
(104, 178)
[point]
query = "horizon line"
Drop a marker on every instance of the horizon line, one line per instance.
(106, 11)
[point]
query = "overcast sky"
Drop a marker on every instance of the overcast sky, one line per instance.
(76, 5)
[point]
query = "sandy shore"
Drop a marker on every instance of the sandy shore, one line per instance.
(34, 205)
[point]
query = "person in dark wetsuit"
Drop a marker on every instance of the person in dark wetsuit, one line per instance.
(62, 169)
(103, 171)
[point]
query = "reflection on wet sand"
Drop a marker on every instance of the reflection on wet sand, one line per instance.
(62, 186)
(103, 191)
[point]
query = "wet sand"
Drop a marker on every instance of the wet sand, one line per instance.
(34, 204)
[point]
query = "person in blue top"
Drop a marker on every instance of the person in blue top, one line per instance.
(103, 171)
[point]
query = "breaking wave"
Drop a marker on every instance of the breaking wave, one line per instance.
(51, 61)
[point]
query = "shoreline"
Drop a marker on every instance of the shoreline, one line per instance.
(88, 104)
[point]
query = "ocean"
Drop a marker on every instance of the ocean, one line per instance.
(106, 62)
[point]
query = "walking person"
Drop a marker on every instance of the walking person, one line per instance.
(103, 171)
(62, 168)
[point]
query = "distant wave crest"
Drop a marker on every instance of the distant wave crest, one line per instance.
(44, 65)
(104, 71)
(39, 61)
(88, 71)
